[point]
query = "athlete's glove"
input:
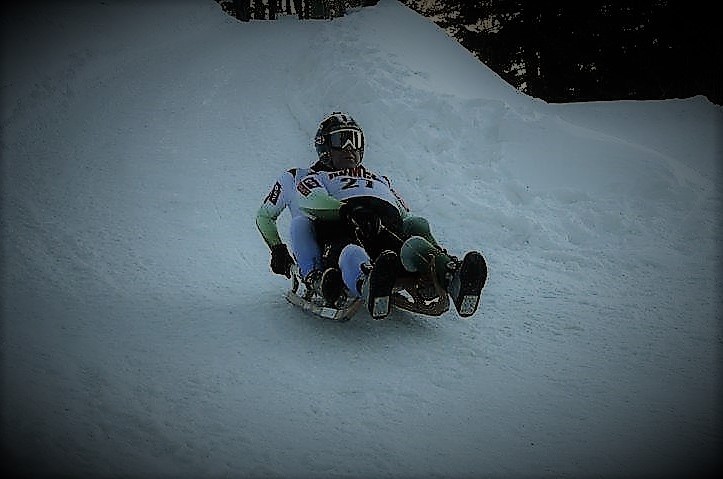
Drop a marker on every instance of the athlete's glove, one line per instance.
(364, 221)
(281, 260)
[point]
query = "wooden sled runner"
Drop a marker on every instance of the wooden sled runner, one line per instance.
(312, 302)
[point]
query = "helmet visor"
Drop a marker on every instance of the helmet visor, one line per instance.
(349, 137)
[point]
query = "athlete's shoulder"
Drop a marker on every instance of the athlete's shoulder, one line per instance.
(297, 173)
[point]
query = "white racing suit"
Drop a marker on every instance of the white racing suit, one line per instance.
(282, 195)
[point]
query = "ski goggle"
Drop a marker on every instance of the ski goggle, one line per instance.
(341, 139)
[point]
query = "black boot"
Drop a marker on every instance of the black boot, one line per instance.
(332, 285)
(377, 289)
(466, 283)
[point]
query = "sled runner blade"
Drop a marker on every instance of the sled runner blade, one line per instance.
(308, 300)
(326, 312)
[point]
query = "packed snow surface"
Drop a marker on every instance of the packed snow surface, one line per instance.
(143, 333)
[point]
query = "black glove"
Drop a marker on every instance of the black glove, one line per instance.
(281, 260)
(364, 221)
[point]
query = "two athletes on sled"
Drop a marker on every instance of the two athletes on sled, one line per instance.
(353, 237)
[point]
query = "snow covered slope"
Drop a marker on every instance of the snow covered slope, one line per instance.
(143, 333)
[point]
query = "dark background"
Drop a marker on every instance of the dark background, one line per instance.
(566, 51)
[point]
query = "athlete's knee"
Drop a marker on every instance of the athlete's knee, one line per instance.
(301, 226)
(418, 226)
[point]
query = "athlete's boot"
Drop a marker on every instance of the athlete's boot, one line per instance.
(377, 287)
(332, 285)
(466, 280)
